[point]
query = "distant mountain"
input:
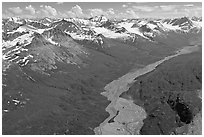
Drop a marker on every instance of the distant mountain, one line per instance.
(98, 19)
(46, 21)
(151, 27)
(66, 26)
(34, 47)
(20, 33)
(194, 18)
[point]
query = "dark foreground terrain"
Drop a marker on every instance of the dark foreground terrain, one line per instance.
(51, 88)
(68, 101)
(170, 94)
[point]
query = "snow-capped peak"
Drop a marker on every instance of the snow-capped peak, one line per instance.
(99, 19)
(15, 20)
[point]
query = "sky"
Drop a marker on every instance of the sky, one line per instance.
(120, 10)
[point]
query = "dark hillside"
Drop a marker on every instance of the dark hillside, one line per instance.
(54, 71)
(169, 94)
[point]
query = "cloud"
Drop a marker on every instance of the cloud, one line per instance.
(95, 12)
(60, 3)
(144, 8)
(124, 6)
(168, 7)
(189, 5)
(47, 11)
(192, 11)
(70, 14)
(62, 15)
(129, 11)
(7, 14)
(31, 9)
(16, 10)
(77, 10)
(51, 10)
(132, 13)
(181, 10)
(110, 11)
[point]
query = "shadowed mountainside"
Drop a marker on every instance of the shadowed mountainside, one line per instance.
(169, 94)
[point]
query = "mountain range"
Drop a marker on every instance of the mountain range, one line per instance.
(19, 34)
(53, 70)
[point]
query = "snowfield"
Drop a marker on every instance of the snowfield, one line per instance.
(108, 33)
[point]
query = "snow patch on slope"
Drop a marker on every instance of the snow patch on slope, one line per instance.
(51, 41)
(197, 24)
(26, 29)
(23, 39)
(151, 26)
(128, 27)
(108, 33)
(170, 27)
